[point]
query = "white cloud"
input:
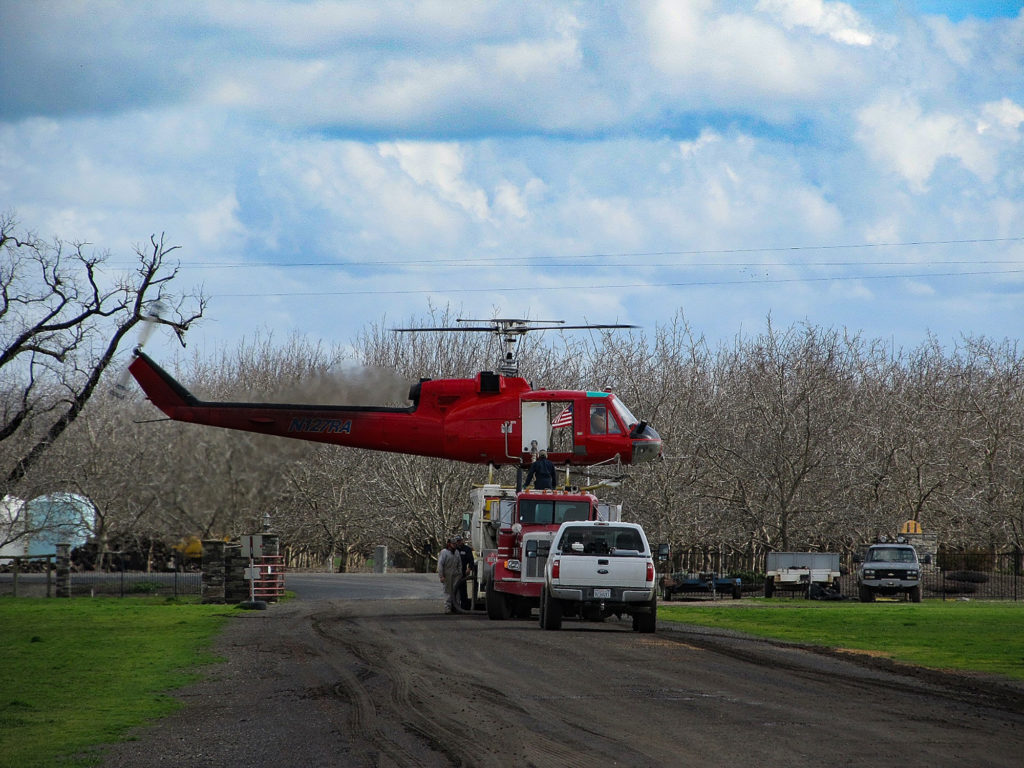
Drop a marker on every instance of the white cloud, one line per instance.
(216, 225)
(737, 184)
(897, 132)
(1003, 118)
(510, 200)
(712, 60)
(836, 20)
(917, 288)
(439, 166)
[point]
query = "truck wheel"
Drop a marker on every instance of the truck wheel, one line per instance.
(769, 587)
(497, 603)
(550, 611)
(647, 622)
(915, 594)
(866, 595)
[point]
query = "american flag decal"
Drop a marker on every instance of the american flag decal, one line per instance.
(564, 419)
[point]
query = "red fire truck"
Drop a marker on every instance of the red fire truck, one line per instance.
(511, 534)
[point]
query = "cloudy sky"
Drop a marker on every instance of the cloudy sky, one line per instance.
(324, 165)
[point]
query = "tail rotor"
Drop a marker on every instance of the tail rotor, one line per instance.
(153, 315)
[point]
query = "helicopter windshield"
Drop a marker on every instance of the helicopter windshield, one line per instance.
(624, 413)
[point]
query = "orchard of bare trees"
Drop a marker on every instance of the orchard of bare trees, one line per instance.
(794, 438)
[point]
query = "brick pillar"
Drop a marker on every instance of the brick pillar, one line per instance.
(63, 570)
(213, 571)
(236, 586)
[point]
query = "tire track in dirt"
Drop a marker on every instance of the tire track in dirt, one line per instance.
(867, 671)
(375, 743)
(418, 701)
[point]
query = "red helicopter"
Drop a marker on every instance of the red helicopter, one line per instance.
(494, 418)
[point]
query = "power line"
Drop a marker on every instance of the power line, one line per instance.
(620, 286)
(497, 262)
(544, 260)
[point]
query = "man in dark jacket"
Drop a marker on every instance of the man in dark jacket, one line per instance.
(544, 472)
(466, 553)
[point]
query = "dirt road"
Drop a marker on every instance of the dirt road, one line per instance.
(397, 683)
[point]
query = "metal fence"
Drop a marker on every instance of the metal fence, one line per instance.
(28, 576)
(136, 583)
(103, 584)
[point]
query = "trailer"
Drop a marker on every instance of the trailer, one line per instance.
(701, 583)
(808, 572)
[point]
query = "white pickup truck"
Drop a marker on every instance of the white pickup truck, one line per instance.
(597, 569)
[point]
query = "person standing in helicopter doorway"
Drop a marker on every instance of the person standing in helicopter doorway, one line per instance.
(449, 569)
(542, 471)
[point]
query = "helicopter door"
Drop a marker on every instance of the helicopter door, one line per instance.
(535, 427)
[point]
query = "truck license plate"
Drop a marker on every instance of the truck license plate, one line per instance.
(606, 593)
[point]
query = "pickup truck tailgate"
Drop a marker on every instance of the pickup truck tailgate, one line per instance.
(602, 571)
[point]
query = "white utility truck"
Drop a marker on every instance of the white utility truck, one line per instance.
(597, 569)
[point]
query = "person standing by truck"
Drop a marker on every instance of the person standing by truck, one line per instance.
(449, 569)
(466, 555)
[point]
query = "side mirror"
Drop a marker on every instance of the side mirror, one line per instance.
(531, 548)
(927, 560)
(662, 553)
(857, 557)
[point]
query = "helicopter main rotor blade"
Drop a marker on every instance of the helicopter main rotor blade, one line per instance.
(504, 320)
(517, 329)
(581, 327)
(448, 329)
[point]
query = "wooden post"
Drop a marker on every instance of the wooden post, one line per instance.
(63, 570)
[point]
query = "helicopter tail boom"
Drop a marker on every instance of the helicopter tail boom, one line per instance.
(163, 390)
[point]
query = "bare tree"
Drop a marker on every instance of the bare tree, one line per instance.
(322, 512)
(62, 319)
(786, 397)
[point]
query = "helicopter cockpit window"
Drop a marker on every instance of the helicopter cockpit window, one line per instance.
(624, 414)
(603, 423)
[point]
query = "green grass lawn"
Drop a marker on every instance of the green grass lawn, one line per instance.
(75, 673)
(973, 636)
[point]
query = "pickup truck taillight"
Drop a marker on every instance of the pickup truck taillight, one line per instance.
(556, 566)
(650, 572)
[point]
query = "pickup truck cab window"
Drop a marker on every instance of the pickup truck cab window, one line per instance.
(600, 541)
